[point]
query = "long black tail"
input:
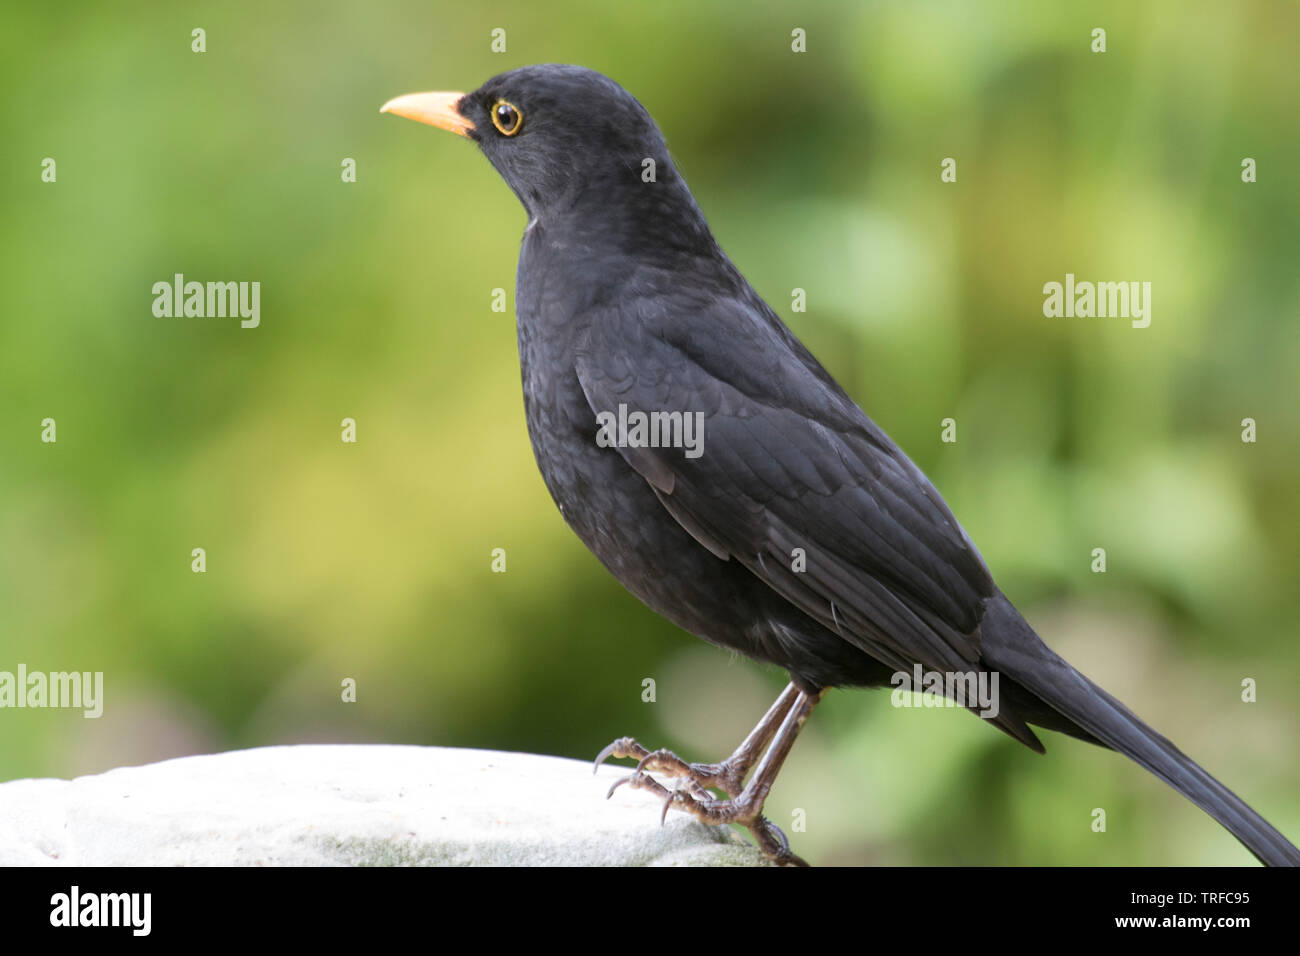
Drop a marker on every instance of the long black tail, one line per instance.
(1009, 645)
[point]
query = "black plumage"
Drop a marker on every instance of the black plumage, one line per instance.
(625, 298)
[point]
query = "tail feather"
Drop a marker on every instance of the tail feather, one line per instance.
(1009, 645)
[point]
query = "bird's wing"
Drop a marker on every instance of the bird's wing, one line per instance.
(787, 462)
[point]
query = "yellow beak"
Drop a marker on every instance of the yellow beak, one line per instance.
(436, 109)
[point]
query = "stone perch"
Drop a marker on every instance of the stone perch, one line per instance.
(353, 805)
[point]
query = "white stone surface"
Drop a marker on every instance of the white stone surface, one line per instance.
(353, 806)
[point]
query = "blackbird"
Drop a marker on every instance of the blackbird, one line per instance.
(785, 525)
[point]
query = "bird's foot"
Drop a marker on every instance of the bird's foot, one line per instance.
(727, 776)
(690, 793)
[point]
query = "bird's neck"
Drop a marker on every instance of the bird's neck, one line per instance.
(657, 221)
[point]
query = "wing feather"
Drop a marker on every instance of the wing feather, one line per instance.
(790, 462)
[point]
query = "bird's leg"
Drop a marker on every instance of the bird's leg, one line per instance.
(745, 808)
(729, 775)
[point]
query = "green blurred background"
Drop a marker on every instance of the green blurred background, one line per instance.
(820, 171)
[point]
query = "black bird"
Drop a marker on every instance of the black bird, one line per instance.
(627, 305)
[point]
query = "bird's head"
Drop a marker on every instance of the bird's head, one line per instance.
(556, 134)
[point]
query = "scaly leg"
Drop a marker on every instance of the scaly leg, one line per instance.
(728, 776)
(745, 807)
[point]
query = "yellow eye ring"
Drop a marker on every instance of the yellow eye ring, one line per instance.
(506, 117)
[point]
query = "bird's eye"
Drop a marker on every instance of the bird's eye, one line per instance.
(506, 118)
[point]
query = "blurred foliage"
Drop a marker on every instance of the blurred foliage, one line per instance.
(819, 171)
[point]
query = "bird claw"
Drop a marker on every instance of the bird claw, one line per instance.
(623, 747)
(691, 795)
(777, 834)
(668, 802)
